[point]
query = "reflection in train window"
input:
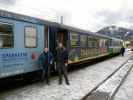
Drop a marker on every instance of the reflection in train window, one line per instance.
(6, 35)
(30, 37)
(83, 40)
(74, 39)
(92, 42)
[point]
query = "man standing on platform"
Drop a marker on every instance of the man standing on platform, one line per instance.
(62, 62)
(122, 51)
(45, 61)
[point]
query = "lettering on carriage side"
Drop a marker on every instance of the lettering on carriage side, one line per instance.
(9, 56)
(12, 65)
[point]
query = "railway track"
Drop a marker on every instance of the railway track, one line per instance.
(97, 94)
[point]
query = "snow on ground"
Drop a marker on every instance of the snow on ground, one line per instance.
(81, 82)
(112, 83)
(126, 90)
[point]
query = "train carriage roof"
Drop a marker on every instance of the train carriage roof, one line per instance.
(25, 18)
(73, 29)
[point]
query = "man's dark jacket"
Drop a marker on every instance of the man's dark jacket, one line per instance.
(45, 57)
(122, 50)
(62, 55)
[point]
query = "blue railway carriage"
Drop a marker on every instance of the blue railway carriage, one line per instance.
(22, 39)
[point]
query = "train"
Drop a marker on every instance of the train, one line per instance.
(22, 39)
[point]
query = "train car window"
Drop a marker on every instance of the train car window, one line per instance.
(102, 43)
(115, 43)
(30, 37)
(74, 39)
(83, 40)
(92, 42)
(6, 35)
(107, 43)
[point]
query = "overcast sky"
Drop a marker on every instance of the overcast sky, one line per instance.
(86, 14)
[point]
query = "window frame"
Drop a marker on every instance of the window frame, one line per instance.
(13, 38)
(77, 44)
(93, 41)
(35, 37)
(85, 41)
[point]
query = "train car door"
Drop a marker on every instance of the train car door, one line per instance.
(62, 37)
(46, 37)
(52, 40)
(57, 35)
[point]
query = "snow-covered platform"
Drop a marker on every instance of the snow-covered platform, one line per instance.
(108, 89)
(81, 82)
(126, 90)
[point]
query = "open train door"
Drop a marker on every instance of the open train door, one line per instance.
(46, 37)
(62, 37)
(49, 38)
(56, 36)
(52, 40)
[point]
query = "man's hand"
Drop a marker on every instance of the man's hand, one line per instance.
(66, 64)
(51, 62)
